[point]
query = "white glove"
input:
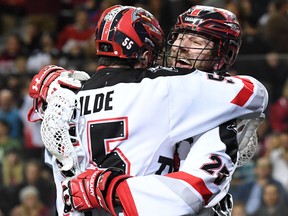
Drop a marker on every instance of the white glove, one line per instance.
(68, 79)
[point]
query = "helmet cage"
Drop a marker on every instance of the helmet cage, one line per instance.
(213, 24)
(213, 59)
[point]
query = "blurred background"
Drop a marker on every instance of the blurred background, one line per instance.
(38, 33)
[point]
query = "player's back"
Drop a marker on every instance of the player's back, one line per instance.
(133, 118)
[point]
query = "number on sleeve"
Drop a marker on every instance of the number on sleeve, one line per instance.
(216, 166)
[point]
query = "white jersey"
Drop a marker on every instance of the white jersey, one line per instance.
(132, 119)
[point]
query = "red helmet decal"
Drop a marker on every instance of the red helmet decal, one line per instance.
(126, 32)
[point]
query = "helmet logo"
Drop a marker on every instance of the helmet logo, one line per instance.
(193, 20)
(110, 16)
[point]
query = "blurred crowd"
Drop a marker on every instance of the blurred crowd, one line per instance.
(38, 33)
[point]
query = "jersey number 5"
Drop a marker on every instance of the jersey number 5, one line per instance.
(104, 135)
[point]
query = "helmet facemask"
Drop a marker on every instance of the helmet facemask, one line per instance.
(218, 27)
(189, 50)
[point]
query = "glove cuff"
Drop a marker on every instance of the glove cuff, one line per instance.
(111, 193)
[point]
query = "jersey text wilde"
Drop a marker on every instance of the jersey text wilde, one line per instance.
(100, 102)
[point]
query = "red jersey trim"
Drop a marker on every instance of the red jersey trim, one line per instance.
(126, 198)
(197, 183)
(245, 93)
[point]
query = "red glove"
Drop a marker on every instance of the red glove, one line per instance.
(79, 192)
(39, 87)
(40, 82)
(92, 189)
(48, 80)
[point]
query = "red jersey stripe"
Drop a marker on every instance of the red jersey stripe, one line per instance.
(245, 93)
(197, 183)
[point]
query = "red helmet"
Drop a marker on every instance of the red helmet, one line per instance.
(126, 32)
(215, 24)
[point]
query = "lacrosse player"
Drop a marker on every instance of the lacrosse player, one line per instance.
(129, 120)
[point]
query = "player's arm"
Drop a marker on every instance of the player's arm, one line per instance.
(201, 182)
(252, 96)
(93, 189)
(214, 99)
(204, 177)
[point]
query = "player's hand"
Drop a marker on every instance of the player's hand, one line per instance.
(71, 80)
(47, 81)
(53, 74)
(92, 189)
(79, 192)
